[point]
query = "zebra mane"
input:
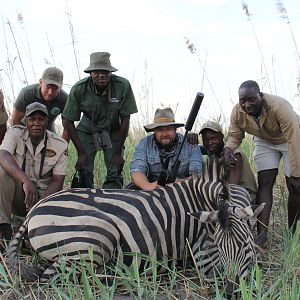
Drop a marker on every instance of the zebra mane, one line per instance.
(214, 169)
(223, 206)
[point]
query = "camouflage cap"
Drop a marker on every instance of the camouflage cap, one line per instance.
(214, 126)
(36, 106)
(54, 76)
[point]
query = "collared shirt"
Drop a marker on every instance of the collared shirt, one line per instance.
(32, 93)
(56, 154)
(105, 113)
(146, 159)
(278, 123)
(3, 115)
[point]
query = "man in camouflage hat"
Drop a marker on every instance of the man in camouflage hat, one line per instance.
(33, 164)
(241, 173)
(48, 92)
(106, 102)
(3, 117)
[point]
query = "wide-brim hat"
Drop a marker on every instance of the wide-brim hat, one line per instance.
(100, 61)
(163, 117)
(211, 125)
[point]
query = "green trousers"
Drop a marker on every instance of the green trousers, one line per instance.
(114, 179)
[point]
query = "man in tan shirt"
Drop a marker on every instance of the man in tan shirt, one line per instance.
(3, 117)
(33, 165)
(276, 130)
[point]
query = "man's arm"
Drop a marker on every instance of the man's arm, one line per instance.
(3, 129)
(141, 181)
(12, 168)
(82, 156)
(55, 186)
(235, 173)
(16, 116)
(117, 158)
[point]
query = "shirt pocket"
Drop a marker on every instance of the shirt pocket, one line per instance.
(19, 157)
(48, 167)
(183, 171)
(154, 168)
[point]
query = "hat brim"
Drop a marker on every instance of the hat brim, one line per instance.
(47, 81)
(90, 69)
(210, 128)
(151, 127)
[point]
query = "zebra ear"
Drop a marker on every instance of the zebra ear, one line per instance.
(205, 216)
(250, 212)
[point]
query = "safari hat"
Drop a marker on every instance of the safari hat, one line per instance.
(54, 76)
(100, 61)
(36, 106)
(214, 126)
(163, 117)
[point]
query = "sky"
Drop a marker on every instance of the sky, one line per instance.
(147, 42)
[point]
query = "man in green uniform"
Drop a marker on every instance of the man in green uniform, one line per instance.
(106, 102)
(48, 92)
(3, 117)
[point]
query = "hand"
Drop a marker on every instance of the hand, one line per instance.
(118, 161)
(294, 183)
(192, 139)
(82, 161)
(229, 157)
(151, 186)
(31, 194)
(1, 98)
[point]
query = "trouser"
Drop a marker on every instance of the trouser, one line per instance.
(114, 179)
(11, 197)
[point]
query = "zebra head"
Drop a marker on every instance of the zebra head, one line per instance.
(233, 237)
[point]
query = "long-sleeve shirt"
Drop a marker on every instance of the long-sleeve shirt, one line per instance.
(146, 159)
(278, 123)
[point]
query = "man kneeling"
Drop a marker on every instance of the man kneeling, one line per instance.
(155, 154)
(33, 165)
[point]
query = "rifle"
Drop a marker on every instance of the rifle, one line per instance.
(188, 127)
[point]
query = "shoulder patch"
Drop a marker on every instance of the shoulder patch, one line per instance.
(50, 153)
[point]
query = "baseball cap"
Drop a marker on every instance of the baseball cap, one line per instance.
(54, 76)
(214, 126)
(36, 106)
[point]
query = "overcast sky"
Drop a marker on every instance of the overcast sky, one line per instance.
(147, 43)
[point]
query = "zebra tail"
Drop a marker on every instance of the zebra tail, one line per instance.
(29, 273)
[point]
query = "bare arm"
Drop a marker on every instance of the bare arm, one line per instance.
(12, 168)
(3, 129)
(16, 117)
(235, 173)
(117, 158)
(141, 181)
(55, 186)
(82, 156)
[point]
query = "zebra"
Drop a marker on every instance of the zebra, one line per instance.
(155, 223)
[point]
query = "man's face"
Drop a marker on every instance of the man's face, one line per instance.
(165, 135)
(36, 124)
(250, 101)
(213, 141)
(101, 77)
(49, 91)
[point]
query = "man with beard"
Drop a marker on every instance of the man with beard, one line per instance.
(33, 165)
(241, 173)
(155, 154)
(276, 130)
(106, 102)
